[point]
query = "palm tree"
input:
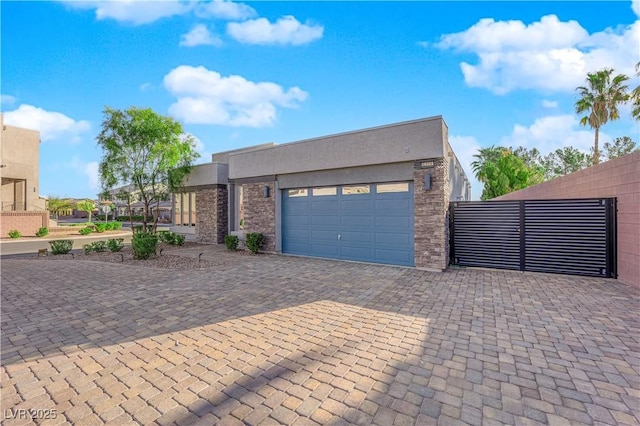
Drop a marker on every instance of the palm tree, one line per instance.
(599, 100)
(56, 205)
(86, 206)
(635, 97)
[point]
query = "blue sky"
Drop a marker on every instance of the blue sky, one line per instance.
(240, 74)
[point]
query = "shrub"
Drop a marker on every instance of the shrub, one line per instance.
(135, 218)
(144, 244)
(14, 233)
(86, 230)
(109, 226)
(61, 246)
(231, 241)
(171, 238)
(137, 228)
(99, 246)
(101, 227)
(115, 244)
(116, 225)
(42, 232)
(254, 241)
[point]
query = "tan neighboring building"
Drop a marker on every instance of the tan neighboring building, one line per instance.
(22, 207)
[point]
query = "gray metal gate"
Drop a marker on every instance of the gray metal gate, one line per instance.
(560, 236)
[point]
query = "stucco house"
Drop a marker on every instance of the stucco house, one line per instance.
(375, 195)
(22, 207)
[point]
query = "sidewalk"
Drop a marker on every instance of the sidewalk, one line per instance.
(31, 245)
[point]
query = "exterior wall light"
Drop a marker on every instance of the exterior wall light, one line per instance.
(427, 182)
(265, 191)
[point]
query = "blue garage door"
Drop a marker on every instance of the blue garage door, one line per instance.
(369, 223)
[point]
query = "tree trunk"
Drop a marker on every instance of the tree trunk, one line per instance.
(596, 151)
(130, 216)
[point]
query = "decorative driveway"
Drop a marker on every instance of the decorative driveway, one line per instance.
(283, 340)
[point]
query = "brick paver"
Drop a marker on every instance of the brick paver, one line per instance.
(283, 340)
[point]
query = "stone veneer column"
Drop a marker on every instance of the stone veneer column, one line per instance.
(211, 214)
(431, 223)
(260, 212)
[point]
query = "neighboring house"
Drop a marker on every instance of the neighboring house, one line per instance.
(375, 195)
(137, 206)
(22, 207)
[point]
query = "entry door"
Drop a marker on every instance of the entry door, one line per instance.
(368, 222)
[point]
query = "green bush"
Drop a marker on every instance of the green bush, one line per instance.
(86, 230)
(116, 225)
(101, 227)
(42, 232)
(144, 244)
(135, 218)
(61, 246)
(99, 246)
(171, 238)
(115, 244)
(254, 241)
(231, 241)
(14, 233)
(109, 226)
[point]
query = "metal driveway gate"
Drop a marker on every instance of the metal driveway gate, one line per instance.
(560, 236)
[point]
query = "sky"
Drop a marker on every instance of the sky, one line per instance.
(240, 74)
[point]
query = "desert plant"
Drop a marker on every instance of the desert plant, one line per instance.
(253, 241)
(100, 227)
(115, 244)
(42, 232)
(61, 246)
(14, 233)
(231, 241)
(86, 230)
(144, 244)
(99, 246)
(109, 226)
(117, 226)
(171, 238)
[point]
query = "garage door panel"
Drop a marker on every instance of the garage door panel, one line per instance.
(394, 238)
(373, 227)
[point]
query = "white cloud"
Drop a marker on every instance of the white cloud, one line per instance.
(287, 30)
(549, 104)
(635, 6)
(550, 54)
(146, 87)
(206, 97)
(7, 100)
(227, 10)
(200, 35)
(134, 11)
(51, 125)
(90, 170)
(465, 148)
(552, 132)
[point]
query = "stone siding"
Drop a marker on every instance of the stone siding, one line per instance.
(211, 210)
(431, 224)
(260, 212)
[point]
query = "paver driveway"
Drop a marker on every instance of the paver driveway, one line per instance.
(282, 340)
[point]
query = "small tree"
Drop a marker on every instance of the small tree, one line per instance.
(146, 150)
(56, 204)
(619, 147)
(504, 175)
(86, 206)
(565, 160)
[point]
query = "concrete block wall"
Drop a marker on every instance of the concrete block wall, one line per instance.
(260, 212)
(431, 241)
(27, 223)
(618, 178)
(212, 214)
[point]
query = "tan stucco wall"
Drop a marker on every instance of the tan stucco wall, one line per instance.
(20, 158)
(618, 178)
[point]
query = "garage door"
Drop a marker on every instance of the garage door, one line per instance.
(369, 223)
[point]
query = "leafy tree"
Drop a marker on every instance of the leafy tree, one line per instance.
(146, 150)
(599, 100)
(56, 205)
(503, 175)
(86, 206)
(565, 160)
(619, 147)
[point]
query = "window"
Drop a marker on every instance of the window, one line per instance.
(392, 187)
(320, 192)
(297, 193)
(184, 208)
(356, 189)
